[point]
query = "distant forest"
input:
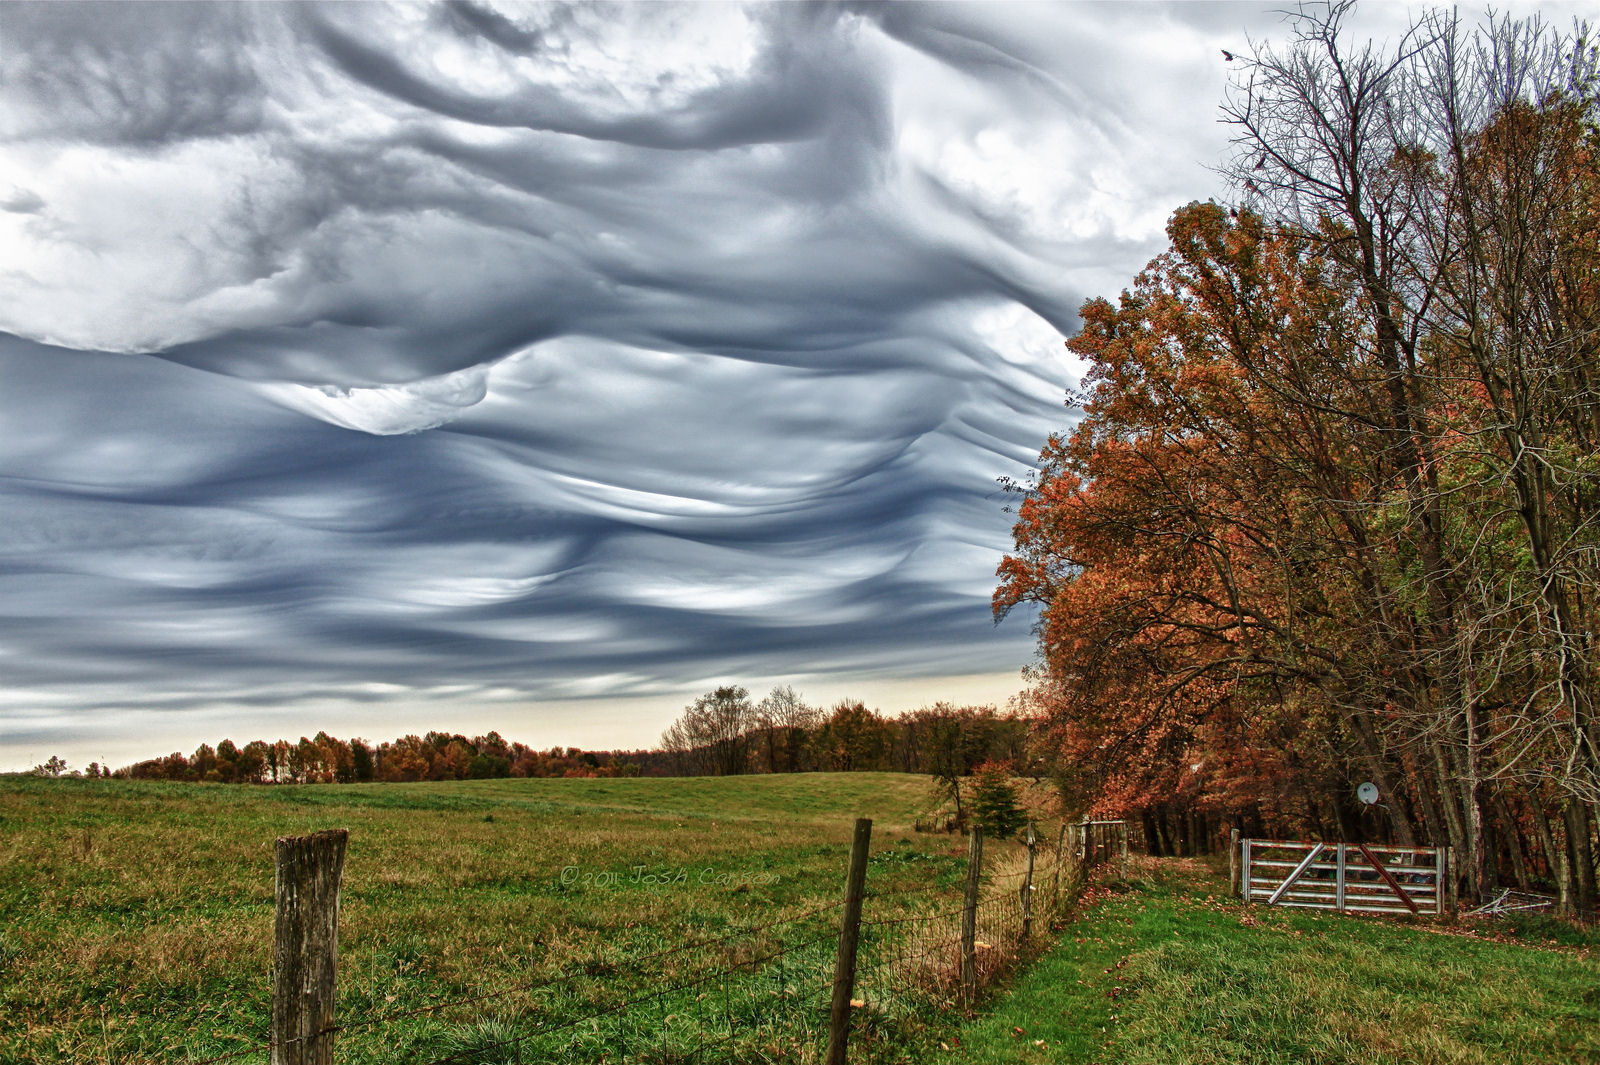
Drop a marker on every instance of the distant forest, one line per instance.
(721, 733)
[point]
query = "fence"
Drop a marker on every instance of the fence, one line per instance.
(859, 977)
(1094, 842)
(1345, 877)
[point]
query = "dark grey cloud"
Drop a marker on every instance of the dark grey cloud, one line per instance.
(499, 353)
(108, 73)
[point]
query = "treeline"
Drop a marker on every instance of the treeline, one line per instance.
(721, 733)
(325, 759)
(724, 733)
(1332, 511)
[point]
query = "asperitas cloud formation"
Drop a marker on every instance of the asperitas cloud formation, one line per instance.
(524, 353)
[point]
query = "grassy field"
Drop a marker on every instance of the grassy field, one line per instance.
(138, 916)
(1166, 971)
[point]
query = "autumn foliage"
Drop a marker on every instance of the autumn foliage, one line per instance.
(326, 759)
(1331, 512)
(721, 733)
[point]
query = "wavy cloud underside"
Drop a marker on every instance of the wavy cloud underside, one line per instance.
(552, 351)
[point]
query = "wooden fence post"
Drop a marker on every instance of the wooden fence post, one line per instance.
(1027, 887)
(1061, 856)
(1450, 861)
(305, 949)
(844, 966)
(1438, 880)
(1123, 872)
(969, 915)
(1233, 862)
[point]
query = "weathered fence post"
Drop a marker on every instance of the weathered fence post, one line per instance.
(1233, 862)
(1439, 880)
(1455, 899)
(1061, 855)
(305, 949)
(844, 966)
(1027, 886)
(969, 915)
(1123, 870)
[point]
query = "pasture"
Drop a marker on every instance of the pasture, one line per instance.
(138, 915)
(138, 928)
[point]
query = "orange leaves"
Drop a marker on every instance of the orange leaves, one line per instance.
(1179, 539)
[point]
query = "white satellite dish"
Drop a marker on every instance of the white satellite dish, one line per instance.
(1367, 792)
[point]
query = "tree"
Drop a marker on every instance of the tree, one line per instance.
(712, 734)
(1451, 177)
(362, 766)
(1331, 508)
(784, 719)
(852, 737)
(995, 805)
(53, 766)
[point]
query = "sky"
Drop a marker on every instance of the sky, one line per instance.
(380, 368)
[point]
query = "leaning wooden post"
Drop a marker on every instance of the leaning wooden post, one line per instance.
(844, 966)
(305, 950)
(1027, 886)
(1061, 856)
(1233, 862)
(969, 915)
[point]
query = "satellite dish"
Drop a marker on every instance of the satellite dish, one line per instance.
(1367, 792)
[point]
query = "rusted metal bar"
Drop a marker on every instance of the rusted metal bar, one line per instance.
(1388, 878)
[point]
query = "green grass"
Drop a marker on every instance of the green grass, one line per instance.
(1169, 971)
(137, 916)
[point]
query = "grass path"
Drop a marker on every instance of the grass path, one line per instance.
(1167, 970)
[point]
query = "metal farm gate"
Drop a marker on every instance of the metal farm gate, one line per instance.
(1346, 877)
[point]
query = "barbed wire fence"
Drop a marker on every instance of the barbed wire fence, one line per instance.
(781, 990)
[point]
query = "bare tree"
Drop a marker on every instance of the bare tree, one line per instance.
(784, 718)
(1449, 178)
(714, 728)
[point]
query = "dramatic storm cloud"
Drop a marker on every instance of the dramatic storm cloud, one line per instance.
(438, 357)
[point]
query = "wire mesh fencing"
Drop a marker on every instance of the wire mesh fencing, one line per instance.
(767, 992)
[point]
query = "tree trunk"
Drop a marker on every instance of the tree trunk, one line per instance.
(1433, 826)
(1510, 833)
(1459, 847)
(1576, 817)
(1547, 840)
(1152, 834)
(1372, 758)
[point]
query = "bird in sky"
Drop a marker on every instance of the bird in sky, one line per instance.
(1227, 55)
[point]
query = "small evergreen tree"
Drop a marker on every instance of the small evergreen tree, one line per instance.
(994, 801)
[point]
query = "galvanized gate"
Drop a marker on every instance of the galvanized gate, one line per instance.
(1346, 877)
